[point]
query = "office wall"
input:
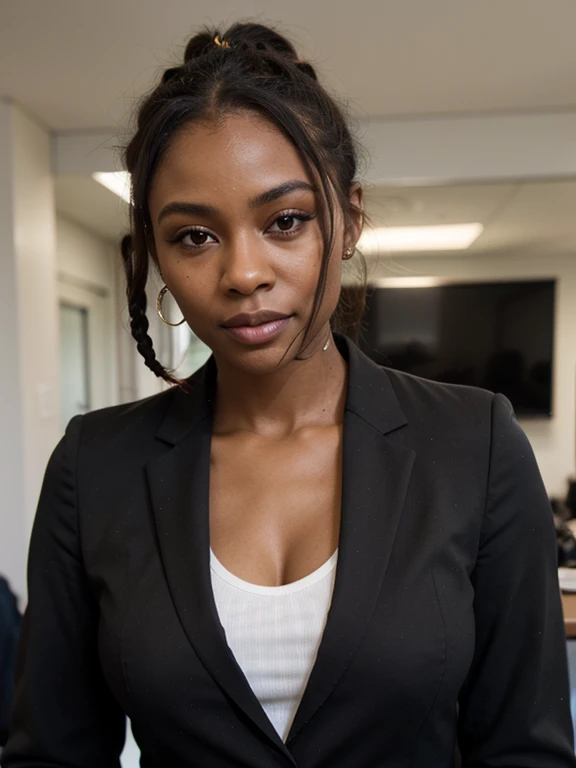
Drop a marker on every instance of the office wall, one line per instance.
(12, 522)
(553, 440)
(86, 256)
(29, 381)
(88, 268)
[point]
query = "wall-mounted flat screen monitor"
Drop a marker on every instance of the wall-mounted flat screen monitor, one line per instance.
(495, 335)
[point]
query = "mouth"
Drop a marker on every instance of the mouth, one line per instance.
(257, 328)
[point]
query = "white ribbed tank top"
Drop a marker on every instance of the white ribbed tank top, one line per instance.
(274, 633)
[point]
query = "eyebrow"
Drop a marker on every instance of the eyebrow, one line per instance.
(200, 209)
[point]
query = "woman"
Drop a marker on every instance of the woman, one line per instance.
(294, 557)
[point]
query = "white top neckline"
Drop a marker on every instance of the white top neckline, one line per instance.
(283, 589)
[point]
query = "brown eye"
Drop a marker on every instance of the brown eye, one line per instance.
(194, 238)
(290, 223)
(285, 222)
(197, 238)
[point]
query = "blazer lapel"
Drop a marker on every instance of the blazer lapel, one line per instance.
(375, 479)
(179, 489)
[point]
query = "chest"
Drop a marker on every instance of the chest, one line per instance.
(275, 504)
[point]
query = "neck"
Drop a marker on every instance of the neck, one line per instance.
(301, 394)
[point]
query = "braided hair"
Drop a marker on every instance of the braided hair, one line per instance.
(249, 67)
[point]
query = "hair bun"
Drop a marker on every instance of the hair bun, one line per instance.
(307, 68)
(260, 38)
(247, 36)
(199, 45)
(171, 74)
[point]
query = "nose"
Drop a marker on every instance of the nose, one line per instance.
(246, 268)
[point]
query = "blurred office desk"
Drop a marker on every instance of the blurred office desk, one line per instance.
(567, 579)
(569, 605)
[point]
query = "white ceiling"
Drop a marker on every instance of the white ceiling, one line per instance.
(517, 217)
(80, 64)
(88, 203)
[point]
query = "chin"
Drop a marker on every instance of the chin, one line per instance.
(261, 359)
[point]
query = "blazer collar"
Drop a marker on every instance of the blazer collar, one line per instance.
(376, 473)
(370, 395)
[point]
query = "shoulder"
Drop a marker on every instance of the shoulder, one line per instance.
(453, 405)
(129, 427)
(466, 426)
(147, 411)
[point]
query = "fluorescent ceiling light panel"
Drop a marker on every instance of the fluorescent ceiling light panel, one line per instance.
(446, 237)
(409, 282)
(118, 182)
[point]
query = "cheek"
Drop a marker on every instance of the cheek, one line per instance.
(301, 268)
(191, 288)
(333, 282)
(302, 278)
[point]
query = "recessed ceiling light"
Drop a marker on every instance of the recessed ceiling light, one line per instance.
(446, 237)
(118, 182)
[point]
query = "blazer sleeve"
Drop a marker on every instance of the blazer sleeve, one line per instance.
(63, 713)
(514, 708)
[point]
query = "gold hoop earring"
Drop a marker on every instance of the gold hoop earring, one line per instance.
(348, 253)
(161, 293)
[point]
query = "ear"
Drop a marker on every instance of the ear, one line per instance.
(356, 215)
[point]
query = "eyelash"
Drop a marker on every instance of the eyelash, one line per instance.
(302, 217)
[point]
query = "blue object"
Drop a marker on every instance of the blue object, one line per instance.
(10, 620)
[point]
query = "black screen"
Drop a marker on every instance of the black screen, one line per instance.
(499, 336)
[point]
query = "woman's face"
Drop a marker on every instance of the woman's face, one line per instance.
(236, 232)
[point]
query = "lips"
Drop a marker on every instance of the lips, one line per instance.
(257, 327)
(252, 319)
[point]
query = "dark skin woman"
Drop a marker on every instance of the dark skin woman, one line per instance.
(276, 448)
(182, 567)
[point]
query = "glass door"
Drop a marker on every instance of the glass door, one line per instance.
(74, 365)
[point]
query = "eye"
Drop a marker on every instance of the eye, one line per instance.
(287, 220)
(193, 238)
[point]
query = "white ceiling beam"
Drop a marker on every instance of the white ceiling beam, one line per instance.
(471, 149)
(439, 150)
(85, 152)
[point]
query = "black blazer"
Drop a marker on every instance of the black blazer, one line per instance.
(445, 626)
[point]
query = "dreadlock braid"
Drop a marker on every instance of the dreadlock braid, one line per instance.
(137, 303)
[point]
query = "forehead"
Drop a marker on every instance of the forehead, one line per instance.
(242, 154)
